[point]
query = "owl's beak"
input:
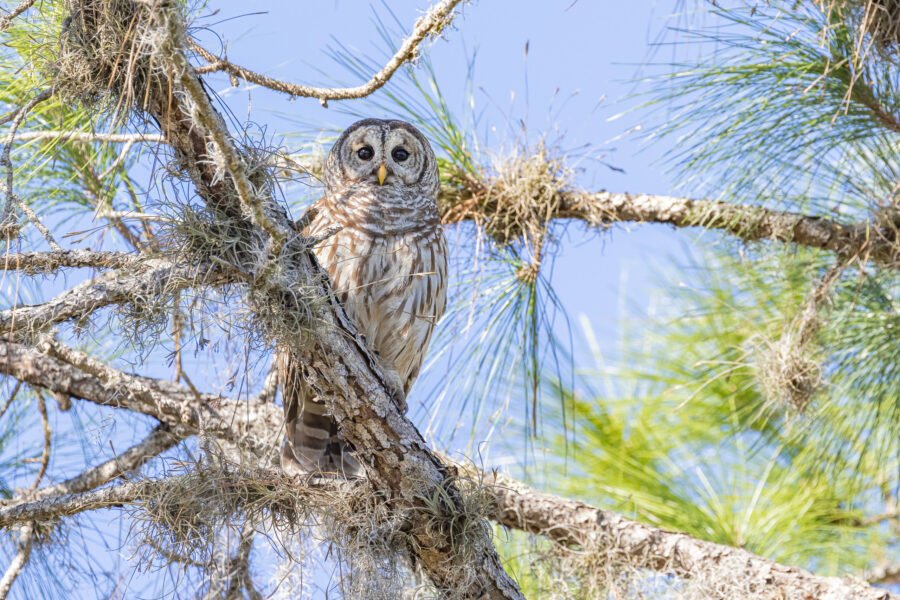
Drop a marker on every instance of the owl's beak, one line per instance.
(382, 174)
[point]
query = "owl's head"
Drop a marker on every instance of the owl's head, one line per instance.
(385, 155)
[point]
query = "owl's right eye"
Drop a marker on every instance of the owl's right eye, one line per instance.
(365, 153)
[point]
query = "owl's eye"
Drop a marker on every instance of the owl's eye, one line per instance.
(365, 153)
(400, 154)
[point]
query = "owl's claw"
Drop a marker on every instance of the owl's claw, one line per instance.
(395, 389)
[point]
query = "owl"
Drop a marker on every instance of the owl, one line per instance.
(388, 267)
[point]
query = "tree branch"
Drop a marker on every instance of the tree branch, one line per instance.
(152, 279)
(431, 24)
(18, 10)
(33, 263)
(866, 240)
(26, 540)
(637, 545)
(254, 426)
(158, 441)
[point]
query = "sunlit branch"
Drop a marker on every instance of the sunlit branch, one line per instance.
(33, 263)
(431, 24)
(26, 540)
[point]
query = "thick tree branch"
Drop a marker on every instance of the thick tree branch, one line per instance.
(431, 24)
(33, 263)
(866, 241)
(637, 545)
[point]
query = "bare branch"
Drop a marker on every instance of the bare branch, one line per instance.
(42, 229)
(88, 136)
(18, 10)
(56, 507)
(255, 426)
(750, 223)
(33, 263)
(26, 539)
(431, 24)
(865, 241)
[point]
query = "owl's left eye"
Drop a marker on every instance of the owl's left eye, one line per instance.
(400, 154)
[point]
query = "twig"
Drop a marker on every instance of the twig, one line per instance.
(431, 24)
(17, 119)
(18, 10)
(26, 540)
(45, 453)
(32, 216)
(11, 398)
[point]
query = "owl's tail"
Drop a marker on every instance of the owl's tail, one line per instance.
(311, 443)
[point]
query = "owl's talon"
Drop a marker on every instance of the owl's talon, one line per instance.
(394, 387)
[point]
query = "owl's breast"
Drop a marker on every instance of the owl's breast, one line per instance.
(393, 286)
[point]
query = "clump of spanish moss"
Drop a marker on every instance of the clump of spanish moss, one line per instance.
(789, 368)
(514, 200)
(114, 49)
(185, 518)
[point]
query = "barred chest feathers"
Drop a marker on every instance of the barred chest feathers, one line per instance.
(391, 281)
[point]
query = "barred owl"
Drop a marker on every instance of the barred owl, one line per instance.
(388, 267)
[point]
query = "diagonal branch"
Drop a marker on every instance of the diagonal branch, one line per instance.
(158, 441)
(252, 425)
(631, 543)
(5, 20)
(431, 24)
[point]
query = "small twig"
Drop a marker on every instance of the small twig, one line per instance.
(32, 216)
(12, 396)
(17, 120)
(8, 19)
(45, 454)
(26, 540)
(431, 24)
